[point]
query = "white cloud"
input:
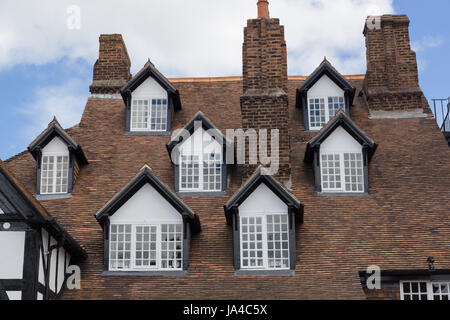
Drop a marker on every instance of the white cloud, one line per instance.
(65, 101)
(185, 38)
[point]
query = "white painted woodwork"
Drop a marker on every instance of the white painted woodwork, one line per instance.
(56, 146)
(146, 206)
(12, 249)
(262, 201)
(324, 88)
(340, 141)
(200, 142)
(14, 295)
(150, 88)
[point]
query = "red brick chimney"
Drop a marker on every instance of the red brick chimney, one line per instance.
(112, 69)
(392, 81)
(264, 103)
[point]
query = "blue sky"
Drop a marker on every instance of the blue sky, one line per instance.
(46, 69)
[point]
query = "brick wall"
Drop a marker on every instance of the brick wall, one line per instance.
(264, 103)
(112, 69)
(392, 81)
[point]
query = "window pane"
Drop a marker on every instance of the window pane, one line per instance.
(145, 256)
(120, 247)
(441, 290)
(415, 290)
(158, 115)
(139, 114)
(317, 113)
(334, 103)
(277, 242)
(171, 246)
(252, 243)
(54, 174)
(189, 173)
(212, 172)
(331, 172)
(354, 173)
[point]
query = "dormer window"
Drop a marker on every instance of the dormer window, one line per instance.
(198, 152)
(55, 168)
(263, 215)
(147, 228)
(322, 95)
(59, 160)
(150, 102)
(340, 154)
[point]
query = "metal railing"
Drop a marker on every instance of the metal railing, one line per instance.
(441, 110)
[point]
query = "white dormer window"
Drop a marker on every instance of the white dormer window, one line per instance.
(149, 114)
(341, 163)
(55, 168)
(324, 100)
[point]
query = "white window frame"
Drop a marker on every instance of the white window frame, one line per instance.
(430, 295)
(149, 114)
(55, 156)
(133, 266)
(342, 171)
(327, 108)
(264, 241)
(201, 167)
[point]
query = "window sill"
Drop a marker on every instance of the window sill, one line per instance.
(144, 273)
(147, 133)
(264, 272)
(53, 196)
(201, 194)
(342, 194)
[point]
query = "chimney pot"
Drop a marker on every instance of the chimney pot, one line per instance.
(263, 9)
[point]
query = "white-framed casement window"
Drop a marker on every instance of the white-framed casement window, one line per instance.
(54, 173)
(424, 290)
(342, 172)
(142, 247)
(264, 242)
(201, 174)
(322, 109)
(149, 114)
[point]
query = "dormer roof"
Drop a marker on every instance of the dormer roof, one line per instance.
(190, 127)
(258, 177)
(325, 68)
(341, 119)
(149, 70)
(53, 130)
(144, 176)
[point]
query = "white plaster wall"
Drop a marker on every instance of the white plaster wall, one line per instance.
(199, 143)
(12, 249)
(40, 296)
(150, 88)
(146, 206)
(324, 88)
(41, 265)
(262, 201)
(14, 295)
(55, 146)
(53, 263)
(61, 268)
(1, 211)
(340, 141)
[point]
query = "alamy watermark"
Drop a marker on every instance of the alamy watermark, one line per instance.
(73, 21)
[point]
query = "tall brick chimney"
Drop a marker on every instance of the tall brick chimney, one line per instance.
(392, 81)
(264, 103)
(112, 69)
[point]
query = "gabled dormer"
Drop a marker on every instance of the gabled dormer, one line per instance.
(198, 152)
(322, 94)
(59, 159)
(147, 228)
(263, 215)
(150, 101)
(340, 155)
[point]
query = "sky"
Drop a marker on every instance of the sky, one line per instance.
(47, 53)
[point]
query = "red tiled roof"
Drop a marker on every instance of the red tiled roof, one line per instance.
(404, 220)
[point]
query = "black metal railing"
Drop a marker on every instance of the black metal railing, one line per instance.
(441, 109)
